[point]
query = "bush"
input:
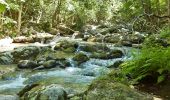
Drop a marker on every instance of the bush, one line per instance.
(165, 32)
(152, 64)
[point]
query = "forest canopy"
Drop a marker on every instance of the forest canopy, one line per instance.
(43, 15)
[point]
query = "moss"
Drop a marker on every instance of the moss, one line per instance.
(113, 87)
(55, 55)
(7, 70)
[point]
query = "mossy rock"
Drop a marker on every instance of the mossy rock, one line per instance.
(80, 58)
(96, 55)
(42, 92)
(94, 48)
(66, 46)
(6, 58)
(25, 53)
(10, 76)
(111, 87)
(115, 54)
(7, 70)
(53, 55)
(49, 64)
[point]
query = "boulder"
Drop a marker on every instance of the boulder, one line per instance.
(50, 64)
(114, 86)
(77, 34)
(27, 64)
(115, 54)
(136, 38)
(25, 53)
(51, 92)
(80, 58)
(6, 58)
(94, 48)
(102, 55)
(115, 91)
(66, 46)
(23, 39)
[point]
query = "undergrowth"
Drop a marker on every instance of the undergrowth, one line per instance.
(152, 65)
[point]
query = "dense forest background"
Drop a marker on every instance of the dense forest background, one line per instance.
(26, 16)
(99, 49)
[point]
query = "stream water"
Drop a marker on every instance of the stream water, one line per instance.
(74, 77)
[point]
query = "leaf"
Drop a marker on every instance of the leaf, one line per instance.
(160, 79)
(2, 7)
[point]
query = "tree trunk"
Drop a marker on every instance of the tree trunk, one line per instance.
(169, 10)
(19, 19)
(56, 15)
(158, 11)
(147, 9)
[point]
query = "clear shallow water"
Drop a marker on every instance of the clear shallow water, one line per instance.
(74, 74)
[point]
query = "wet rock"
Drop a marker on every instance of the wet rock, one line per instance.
(137, 46)
(116, 64)
(50, 64)
(23, 39)
(77, 34)
(102, 55)
(26, 89)
(27, 64)
(80, 58)
(51, 92)
(66, 46)
(42, 37)
(94, 48)
(126, 43)
(112, 38)
(6, 58)
(136, 38)
(9, 97)
(92, 39)
(107, 88)
(115, 54)
(25, 53)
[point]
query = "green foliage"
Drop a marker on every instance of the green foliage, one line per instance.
(152, 62)
(3, 6)
(165, 32)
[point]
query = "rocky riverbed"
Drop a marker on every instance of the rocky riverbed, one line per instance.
(65, 68)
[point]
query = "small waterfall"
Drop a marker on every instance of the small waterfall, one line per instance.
(72, 62)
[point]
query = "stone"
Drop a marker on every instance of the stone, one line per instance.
(27, 64)
(40, 92)
(6, 58)
(66, 46)
(115, 54)
(50, 64)
(107, 88)
(23, 39)
(25, 53)
(77, 35)
(102, 55)
(80, 58)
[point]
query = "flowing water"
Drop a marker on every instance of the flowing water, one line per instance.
(81, 75)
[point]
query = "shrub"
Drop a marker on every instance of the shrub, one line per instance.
(152, 65)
